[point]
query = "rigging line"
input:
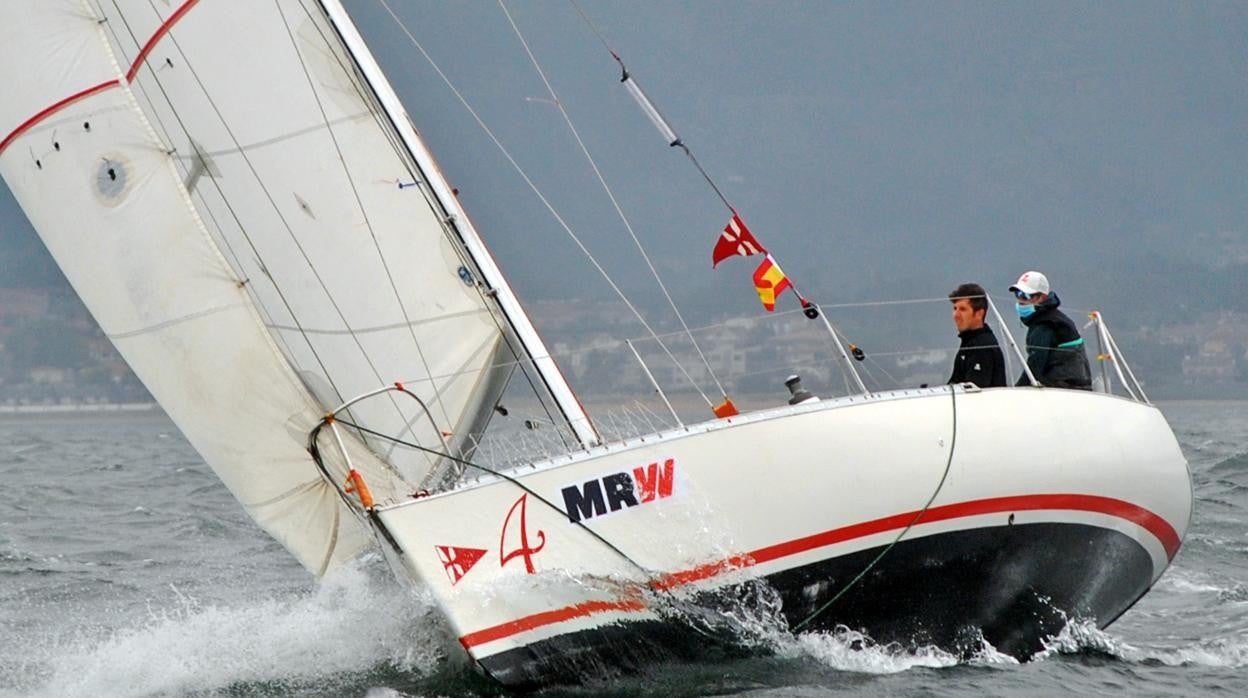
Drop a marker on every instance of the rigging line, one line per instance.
(437, 393)
(498, 473)
(267, 316)
(164, 129)
(289, 229)
(781, 313)
(616, 345)
(594, 28)
(838, 337)
(225, 200)
(953, 440)
(707, 177)
(255, 299)
(263, 188)
(618, 209)
(389, 129)
(524, 175)
(654, 582)
(441, 473)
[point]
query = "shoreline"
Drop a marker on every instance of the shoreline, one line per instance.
(108, 409)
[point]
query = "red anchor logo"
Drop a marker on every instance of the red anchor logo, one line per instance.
(524, 551)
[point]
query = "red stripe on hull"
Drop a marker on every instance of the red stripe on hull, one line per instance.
(537, 620)
(1154, 524)
(1140, 516)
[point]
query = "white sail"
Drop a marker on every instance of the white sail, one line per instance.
(218, 185)
(566, 401)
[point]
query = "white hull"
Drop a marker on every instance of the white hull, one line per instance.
(777, 494)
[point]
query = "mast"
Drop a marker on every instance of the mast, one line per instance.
(457, 219)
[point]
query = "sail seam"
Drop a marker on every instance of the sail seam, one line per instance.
(378, 328)
(174, 322)
(263, 314)
(277, 211)
(573, 411)
(389, 125)
(372, 233)
(252, 308)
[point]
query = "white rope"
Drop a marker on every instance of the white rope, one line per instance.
(618, 210)
(527, 180)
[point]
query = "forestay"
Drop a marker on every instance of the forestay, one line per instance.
(218, 185)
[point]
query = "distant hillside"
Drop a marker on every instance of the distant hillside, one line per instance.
(24, 261)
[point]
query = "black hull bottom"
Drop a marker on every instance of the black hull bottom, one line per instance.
(1012, 586)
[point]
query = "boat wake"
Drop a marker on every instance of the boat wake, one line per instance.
(354, 624)
(359, 631)
(844, 649)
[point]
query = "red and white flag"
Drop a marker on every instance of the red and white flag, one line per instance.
(457, 561)
(735, 240)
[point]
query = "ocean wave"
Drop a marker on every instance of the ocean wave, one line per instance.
(844, 649)
(354, 622)
(1226, 653)
(1083, 637)
(1194, 583)
(1237, 463)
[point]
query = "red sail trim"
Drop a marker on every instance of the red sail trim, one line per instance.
(29, 123)
(160, 34)
(130, 75)
(1151, 522)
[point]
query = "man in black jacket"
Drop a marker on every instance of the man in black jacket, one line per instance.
(1055, 351)
(979, 359)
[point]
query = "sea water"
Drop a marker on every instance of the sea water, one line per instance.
(126, 569)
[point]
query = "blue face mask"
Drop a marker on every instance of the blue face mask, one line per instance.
(1025, 311)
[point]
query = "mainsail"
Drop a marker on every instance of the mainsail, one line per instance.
(252, 228)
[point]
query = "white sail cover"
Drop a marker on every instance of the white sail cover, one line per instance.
(216, 183)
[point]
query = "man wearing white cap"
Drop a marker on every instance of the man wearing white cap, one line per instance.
(1055, 351)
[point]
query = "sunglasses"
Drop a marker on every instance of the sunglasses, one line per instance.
(1022, 295)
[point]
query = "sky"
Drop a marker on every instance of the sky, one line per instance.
(880, 150)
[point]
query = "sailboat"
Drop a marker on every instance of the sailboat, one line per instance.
(239, 198)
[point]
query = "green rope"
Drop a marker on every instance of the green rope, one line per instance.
(953, 439)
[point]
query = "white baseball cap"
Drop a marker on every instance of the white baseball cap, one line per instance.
(1031, 282)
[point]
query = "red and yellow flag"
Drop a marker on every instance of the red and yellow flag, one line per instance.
(770, 282)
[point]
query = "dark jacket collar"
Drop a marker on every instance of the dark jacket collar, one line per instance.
(967, 334)
(1043, 309)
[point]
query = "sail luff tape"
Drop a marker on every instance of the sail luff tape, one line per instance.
(651, 111)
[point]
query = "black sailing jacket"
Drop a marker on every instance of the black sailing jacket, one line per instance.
(979, 359)
(1054, 349)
